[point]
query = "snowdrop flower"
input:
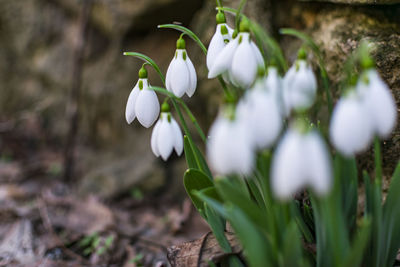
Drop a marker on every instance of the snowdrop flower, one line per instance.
(379, 102)
(166, 136)
(350, 128)
(259, 111)
(240, 58)
(228, 148)
(142, 102)
(299, 85)
(181, 76)
(221, 37)
(301, 160)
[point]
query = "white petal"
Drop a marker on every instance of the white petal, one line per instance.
(169, 73)
(216, 45)
(154, 137)
(224, 59)
(287, 170)
(257, 54)
(287, 84)
(319, 170)
(381, 106)
(178, 138)
(130, 105)
(192, 76)
(350, 127)
(165, 139)
(260, 111)
(147, 107)
(302, 93)
(244, 64)
(179, 79)
(228, 149)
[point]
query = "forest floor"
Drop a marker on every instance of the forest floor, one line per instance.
(45, 222)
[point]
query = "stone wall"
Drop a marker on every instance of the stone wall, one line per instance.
(36, 45)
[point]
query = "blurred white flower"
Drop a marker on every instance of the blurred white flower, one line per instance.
(299, 87)
(301, 160)
(379, 102)
(181, 76)
(259, 112)
(240, 58)
(350, 128)
(228, 148)
(166, 137)
(219, 40)
(143, 104)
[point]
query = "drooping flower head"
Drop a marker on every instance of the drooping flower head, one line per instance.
(301, 160)
(350, 127)
(240, 58)
(260, 112)
(166, 135)
(142, 102)
(299, 85)
(229, 149)
(181, 76)
(379, 102)
(221, 37)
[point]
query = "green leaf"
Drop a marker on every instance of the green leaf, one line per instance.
(231, 194)
(149, 61)
(391, 217)
(355, 256)
(195, 180)
(194, 158)
(256, 246)
(217, 225)
(187, 32)
(292, 247)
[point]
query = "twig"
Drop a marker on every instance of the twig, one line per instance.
(74, 97)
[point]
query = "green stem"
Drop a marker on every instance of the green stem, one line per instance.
(218, 3)
(193, 119)
(378, 161)
(239, 13)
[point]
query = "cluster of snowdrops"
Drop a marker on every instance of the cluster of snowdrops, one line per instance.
(266, 145)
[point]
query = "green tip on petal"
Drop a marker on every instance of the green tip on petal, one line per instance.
(234, 34)
(244, 25)
(273, 63)
(302, 54)
(142, 73)
(180, 44)
(220, 17)
(224, 30)
(165, 107)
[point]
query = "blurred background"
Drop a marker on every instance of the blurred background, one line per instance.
(73, 174)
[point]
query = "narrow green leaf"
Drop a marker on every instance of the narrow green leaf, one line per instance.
(189, 154)
(355, 256)
(217, 225)
(187, 32)
(195, 180)
(256, 246)
(292, 247)
(149, 61)
(230, 194)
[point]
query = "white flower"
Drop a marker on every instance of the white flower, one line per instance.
(240, 58)
(143, 104)
(301, 160)
(380, 104)
(181, 76)
(299, 87)
(219, 40)
(166, 137)
(350, 128)
(228, 148)
(259, 111)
